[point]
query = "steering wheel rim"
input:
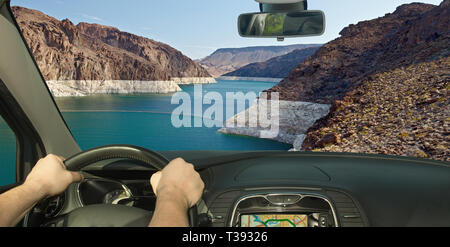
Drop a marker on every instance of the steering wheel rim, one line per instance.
(85, 158)
(149, 157)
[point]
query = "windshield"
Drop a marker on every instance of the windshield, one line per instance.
(176, 75)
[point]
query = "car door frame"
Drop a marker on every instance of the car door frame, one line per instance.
(27, 103)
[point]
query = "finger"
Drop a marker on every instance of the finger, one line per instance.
(61, 158)
(53, 156)
(76, 177)
(190, 166)
(179, 159)
(203, 186)
(154, 181)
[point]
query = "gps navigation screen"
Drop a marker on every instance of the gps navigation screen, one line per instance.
(274, 220)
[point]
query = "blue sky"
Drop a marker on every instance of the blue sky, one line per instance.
(199, 27)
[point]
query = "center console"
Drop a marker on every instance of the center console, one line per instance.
(283, 210)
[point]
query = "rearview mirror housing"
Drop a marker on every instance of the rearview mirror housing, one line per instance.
(282, 24)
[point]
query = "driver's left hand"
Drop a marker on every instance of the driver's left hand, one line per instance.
(51, 177)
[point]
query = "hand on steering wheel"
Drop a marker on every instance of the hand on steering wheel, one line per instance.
(179, 177)
(178, 187)
(171, 175)
(50, 176)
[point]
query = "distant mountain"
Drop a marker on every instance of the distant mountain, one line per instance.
(414, 33)
(277, 67)
(226, 60)
(65, 51)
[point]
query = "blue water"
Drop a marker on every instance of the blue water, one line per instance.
(144, 120)
(7, 154)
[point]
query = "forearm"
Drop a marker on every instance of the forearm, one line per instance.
(170, 212)
(14, 204)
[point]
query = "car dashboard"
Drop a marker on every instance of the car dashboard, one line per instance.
(279, 189)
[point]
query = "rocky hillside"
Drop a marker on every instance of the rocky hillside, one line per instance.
(227, 60)
(65, 51)
(277, 67)
(388, 80)
(405, 111)
(413, 33)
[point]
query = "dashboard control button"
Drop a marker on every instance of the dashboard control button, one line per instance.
(323, 221)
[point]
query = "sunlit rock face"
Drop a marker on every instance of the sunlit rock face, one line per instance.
(61, 88)
(412, 34)
(64, 51)
(289, 124)
(90, 87)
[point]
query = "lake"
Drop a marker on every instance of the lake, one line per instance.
(143, 120)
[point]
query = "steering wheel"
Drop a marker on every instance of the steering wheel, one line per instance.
(115, 215)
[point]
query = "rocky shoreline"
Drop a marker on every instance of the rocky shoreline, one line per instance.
(295, 118)
(193, 80)
(239, 78)
(67, 88)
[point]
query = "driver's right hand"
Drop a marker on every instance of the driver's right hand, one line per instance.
(179, 180)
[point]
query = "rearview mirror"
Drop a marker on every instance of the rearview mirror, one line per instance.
(293, 24)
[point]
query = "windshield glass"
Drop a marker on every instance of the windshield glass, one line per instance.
(176, 75)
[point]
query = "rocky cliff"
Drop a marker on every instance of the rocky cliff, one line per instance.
(277, 67)
(65, 51)
(226, 60)
(404, 111)
(414, 33)
(295, 118)
(388, 82)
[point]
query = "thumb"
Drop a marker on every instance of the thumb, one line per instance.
(76, 177)
(154, 181)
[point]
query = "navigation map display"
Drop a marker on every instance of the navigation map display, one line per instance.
(274, 220)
